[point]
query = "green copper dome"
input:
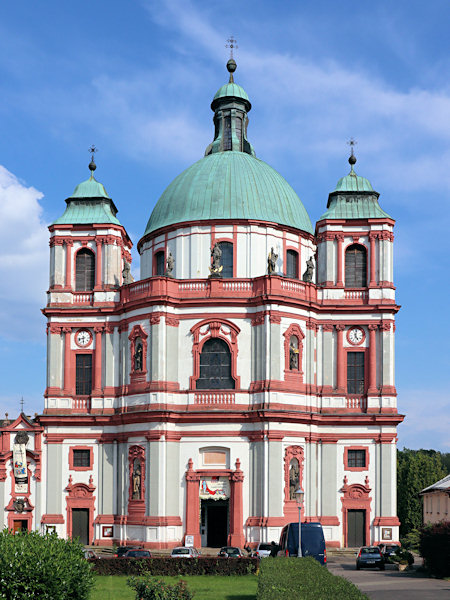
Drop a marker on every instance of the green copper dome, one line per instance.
(353, 183)
(91, 188)
(229, 185)
(231, 90)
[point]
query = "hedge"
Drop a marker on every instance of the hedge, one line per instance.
(302, 579)
(434, 547)
(174, 566)
(42, 567)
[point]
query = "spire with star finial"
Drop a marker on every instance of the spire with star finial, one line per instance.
(92, 166)
(352, 158)
(231, 64)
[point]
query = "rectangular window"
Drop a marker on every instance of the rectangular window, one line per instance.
(81, 458)
(292, 264)
(160, 263)
(356, 458)
(227, 143)
(83, 386)
(355, 372)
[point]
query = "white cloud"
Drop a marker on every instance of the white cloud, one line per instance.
(23, 257)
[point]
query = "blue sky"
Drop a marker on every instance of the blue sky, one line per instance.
(136, 79)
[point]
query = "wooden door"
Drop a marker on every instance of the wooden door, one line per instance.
(356, 520)
(80, 525)
(21, 525)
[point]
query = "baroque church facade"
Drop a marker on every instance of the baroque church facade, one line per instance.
(254, 355)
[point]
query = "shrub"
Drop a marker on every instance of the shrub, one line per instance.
(402, 557)
(302, 579)
(175, 566)
(435, 548)
(44, 567)
(155, 589)
(411, 540)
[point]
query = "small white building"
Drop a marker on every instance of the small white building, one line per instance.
(436, 501)
(255, 354)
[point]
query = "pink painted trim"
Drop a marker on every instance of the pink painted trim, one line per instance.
(346, 466)
(72, 467)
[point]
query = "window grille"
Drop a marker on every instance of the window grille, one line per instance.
(292, 264)
(85, 271)
(355, 266)
(355, 372)
(356, 458)
(83, 384)
(81, 458)
(215, 366)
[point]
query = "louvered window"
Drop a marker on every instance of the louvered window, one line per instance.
(292, 264)
(160, 263)
(215, 366)
(238, 126)
(83, 384)
(227, 258)
(355, 266)
(85, 271)
(356, 458)
(227, 143)
(355, 372)
(81, 458)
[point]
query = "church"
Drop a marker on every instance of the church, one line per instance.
(254, 356)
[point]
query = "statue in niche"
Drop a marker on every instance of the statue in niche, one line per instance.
(271, 261)
(216, 255)
(294, 478)
(126, 273)
(136, 478)
(138, 355)
(308, 274)
(293, 353)
(170, 263)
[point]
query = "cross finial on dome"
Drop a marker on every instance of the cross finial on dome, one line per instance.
(92, 165)
(231, 64)
(352, 158)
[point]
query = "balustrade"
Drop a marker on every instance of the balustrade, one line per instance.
(217, 398)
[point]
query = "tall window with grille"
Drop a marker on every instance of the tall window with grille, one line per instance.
(84, 271)
(81, 458)
(292, 264)
(83, 381)
(215, 366)
(227, 258)
(356, 266)
(355, 372)
(356, 458)
(160, 263)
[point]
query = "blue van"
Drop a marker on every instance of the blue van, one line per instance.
(313, 541)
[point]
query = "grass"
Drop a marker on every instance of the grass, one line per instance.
(206, 587)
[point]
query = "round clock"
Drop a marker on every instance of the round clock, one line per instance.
(356, 335)
(83, 337)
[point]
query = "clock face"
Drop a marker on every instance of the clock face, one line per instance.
(83, 337)
(355, 335)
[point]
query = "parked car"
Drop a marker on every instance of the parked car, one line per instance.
(185, 552)
(88, 553)
(313, 541)
(230, 552)
(262, 550)
(122, 549)
(388, 550)
(137, 554)
(370, 557)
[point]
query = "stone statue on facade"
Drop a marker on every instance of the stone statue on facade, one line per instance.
(294, 478)
(138, 356)
(136, 495)
(308, 274)
(293, 354)
(216, 267)
(126, 273)
(170, 263)
(271, 261)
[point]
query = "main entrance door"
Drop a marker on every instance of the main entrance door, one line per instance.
(355, 528)
(80, 524)
(20, 525)
(214, 523)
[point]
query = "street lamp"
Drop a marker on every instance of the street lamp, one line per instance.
(299, 494)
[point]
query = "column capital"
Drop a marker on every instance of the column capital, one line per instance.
(340, 327)
(67, 329)
(99, 328)
(373, 327)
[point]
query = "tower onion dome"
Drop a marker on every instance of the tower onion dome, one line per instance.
(229, 182)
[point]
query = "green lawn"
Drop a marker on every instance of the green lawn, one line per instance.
(206, 587)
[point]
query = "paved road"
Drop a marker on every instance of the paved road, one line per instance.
(380, 585)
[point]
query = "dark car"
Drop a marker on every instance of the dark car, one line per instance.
(313, 541)
(370, 557)
(230, 552)
(121, 550)
(388, 550)
(137, 554)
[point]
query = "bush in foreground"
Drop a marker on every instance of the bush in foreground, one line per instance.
(175, 566)
(44, 567)
(147, 588)
(302, 579)
(435, 548)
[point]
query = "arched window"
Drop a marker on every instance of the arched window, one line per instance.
(85, 271)
(215, 366)
(356, 266)
(292, 264)
(227, 258)
(159, 263)
(293, 353)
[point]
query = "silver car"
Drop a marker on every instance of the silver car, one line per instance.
(262, 550)
(184, 552)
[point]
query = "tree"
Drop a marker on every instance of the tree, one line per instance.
(416, 470)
